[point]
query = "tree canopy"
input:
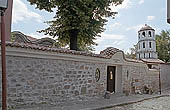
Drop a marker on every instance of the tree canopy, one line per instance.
(76, 21)
(163, 45)
(133, 51)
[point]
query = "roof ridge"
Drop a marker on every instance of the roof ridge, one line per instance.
(52, 49)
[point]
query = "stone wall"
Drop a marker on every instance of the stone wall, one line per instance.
(136, 77)
(36, 80)
(152, 80)
(165, 76)
(47, 77)
(133, 74)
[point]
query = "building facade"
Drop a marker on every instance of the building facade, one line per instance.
(146, 47)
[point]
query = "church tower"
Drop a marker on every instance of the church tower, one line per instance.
(146, 47)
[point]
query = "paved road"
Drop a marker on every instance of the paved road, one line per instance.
(162, 103)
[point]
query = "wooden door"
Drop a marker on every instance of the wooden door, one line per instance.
(111, 70)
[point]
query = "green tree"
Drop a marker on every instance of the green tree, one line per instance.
(163, 45)
(77, 22)
(132, 54)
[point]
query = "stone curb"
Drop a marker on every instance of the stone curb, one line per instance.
(127, 103)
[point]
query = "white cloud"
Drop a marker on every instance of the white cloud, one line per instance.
(150, 18)
(112, 27)
(121, 42)
(106, 46)
(38, 35)
(158, 31)
(126, 4)
(21, 13)
(141, 1)
(105, 37)
(136, 28)
(115, 25)
(109, 40)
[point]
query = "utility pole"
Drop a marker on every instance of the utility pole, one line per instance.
(3, 7)
(3, 63)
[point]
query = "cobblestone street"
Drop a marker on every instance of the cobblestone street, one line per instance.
(162, 103)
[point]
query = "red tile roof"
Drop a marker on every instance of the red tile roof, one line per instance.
(31, 38)
(109, 52)
(106, 54)
(58, 50)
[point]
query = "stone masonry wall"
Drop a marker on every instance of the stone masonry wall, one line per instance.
(135, 78)
(33, 80)
(165, 76)
(152, 80)
(50, 80)
(133, 74)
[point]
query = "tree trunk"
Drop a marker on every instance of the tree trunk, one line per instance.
(73, 39)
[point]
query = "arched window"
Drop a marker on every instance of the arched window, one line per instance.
(149, 55)
(150, 35)
(143, 44)
(143, 34)
(139, 35)
(150, 44)
(139, 56)
(139, 45)
(144, 55)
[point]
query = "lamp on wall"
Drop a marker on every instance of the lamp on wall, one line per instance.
(3, 4)
(3, 7)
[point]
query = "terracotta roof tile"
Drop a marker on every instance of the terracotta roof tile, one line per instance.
(31, 38)
(109, 52)
(58, 50)
(106, 54)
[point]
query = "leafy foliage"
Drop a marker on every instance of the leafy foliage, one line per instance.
(132, 54)
(12, 37)
(163, 45)
(76, 20)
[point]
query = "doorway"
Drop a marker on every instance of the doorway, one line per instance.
(111, 71)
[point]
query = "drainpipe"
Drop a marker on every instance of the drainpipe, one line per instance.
(3, 60)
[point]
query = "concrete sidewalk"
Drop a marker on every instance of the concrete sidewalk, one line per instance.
(115, 100)
(97, 103)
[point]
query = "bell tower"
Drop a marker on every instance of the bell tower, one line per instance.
(146, 47)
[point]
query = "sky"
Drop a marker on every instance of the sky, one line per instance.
(120, 32)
